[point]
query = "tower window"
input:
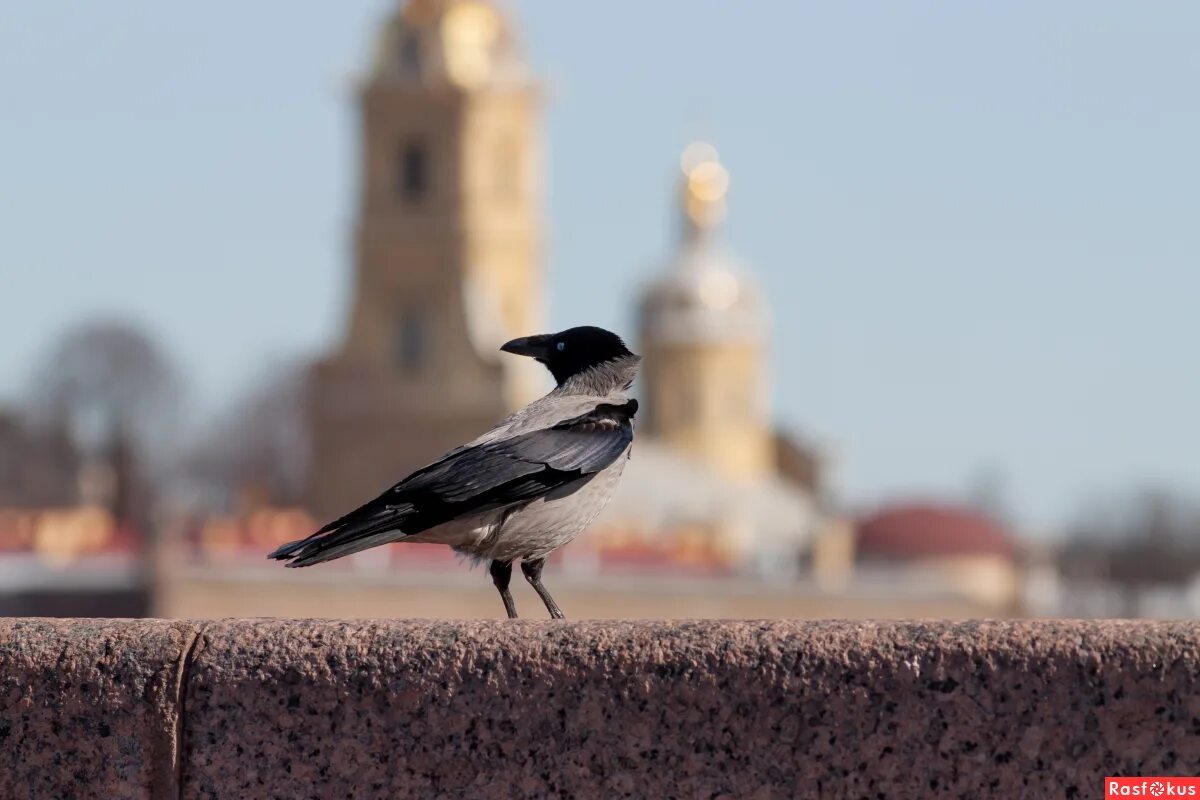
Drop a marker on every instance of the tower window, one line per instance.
(410, 55)
(412, 340)
(413, 177)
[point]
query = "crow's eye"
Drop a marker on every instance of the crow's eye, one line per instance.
(561, 346)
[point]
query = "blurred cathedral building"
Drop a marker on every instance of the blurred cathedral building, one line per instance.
(448, 266)
(719, 514)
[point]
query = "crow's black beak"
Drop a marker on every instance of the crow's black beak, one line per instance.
(533, 346)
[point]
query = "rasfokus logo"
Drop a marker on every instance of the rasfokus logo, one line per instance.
(1151, 787)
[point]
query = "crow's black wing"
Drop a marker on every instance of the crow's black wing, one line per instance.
(475, 479)
(574, 447)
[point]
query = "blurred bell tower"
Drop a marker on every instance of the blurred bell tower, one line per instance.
(447, 250)
(703, 332)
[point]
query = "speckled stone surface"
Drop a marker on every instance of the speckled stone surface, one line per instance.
(89, 708)
(308, 709)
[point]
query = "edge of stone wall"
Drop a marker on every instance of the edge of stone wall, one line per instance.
(300, 708)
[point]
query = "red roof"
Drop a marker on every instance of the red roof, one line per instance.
(914, 531)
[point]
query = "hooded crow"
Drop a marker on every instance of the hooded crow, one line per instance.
(523, 489)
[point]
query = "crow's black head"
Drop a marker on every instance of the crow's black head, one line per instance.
(572, 351)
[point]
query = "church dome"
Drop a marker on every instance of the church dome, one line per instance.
(704, 294)
(920, 531)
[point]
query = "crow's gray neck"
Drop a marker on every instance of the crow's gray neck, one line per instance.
(602, 380)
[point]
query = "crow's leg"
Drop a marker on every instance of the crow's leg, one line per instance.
(533, 574)
(501, 575)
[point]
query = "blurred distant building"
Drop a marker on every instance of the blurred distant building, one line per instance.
(447, 267)
(705, 485)
(703, 331)
(66, 549)
(957, 548)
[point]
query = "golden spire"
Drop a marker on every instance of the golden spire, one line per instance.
(705, 184)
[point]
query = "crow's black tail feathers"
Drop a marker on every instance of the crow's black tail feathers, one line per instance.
(364, 527)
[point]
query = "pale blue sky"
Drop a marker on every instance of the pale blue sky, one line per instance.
(978, 222)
